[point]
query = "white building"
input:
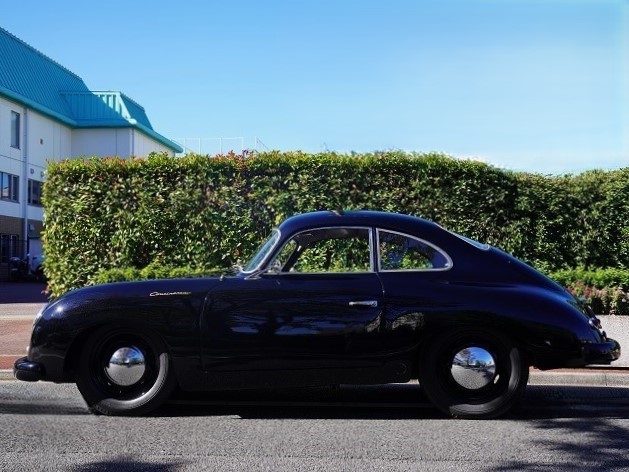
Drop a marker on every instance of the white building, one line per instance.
(47, 113)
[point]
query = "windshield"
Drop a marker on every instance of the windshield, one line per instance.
(263, 251)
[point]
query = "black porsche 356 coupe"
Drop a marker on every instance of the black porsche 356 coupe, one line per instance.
(330, 298)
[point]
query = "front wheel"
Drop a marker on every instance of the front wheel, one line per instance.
(473, 374)
(124, 372)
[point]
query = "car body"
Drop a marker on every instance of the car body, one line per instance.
(331, 298)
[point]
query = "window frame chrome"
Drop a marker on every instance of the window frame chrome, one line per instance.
(372, 261)
(261, 266)
(472, 242)
(449, 262)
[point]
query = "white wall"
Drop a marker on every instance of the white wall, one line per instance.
(11, 158)
(102, 142)
(114, 142)
(10, 209)
(47, 140)
(8, 153)
(143, 145)
(35, 213)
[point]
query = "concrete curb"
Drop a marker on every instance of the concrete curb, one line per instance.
(585, 378)
(6, 374)
(20, 310)
(594, 378)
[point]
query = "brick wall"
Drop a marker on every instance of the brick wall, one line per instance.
(10, 225)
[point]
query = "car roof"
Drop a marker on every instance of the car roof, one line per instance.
(381, 219)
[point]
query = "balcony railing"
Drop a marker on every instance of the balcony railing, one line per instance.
(215, 146)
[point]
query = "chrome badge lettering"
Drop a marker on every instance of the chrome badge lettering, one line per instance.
(168, 294)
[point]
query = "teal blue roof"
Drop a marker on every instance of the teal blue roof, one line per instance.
(29, 77)
(104, 108)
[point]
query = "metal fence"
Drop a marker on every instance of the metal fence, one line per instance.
(214, 146)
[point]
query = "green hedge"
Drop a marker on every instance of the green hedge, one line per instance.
(152, 271)
(600, 278)
(206, 213)
(605, 290)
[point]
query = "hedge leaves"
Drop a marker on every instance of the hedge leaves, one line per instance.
(203, 213)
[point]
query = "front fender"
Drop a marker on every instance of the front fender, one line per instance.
(169, 308)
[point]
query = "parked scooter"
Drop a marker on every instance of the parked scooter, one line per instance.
(28, 268)
(18, 268)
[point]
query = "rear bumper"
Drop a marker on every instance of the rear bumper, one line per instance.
(23, 369)
(588, 353)
(601, 353)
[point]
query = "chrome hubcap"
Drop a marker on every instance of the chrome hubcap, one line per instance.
(126, 366)
(473, 368)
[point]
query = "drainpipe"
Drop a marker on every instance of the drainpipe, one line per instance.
(132, 150)
(25, 173)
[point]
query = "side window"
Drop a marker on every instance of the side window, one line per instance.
(338, 250)
(15, 129)
(34, 192)
(9, 187)
(402, 252)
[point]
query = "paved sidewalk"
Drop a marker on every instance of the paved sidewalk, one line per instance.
(15, 338)
(19, 303)
(16, 321)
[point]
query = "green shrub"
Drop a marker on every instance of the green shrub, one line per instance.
(605, 290)
(153, 271)
(117, 275)
(142, 214)
(604, 301)
(593, 277)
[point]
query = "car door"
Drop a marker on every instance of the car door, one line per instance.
(413, 274)
(320, 305)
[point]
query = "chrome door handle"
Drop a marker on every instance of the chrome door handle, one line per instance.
(368, 303)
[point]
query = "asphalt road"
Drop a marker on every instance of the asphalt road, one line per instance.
(46, 427)
(22, 292)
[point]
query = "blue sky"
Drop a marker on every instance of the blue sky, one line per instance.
(530, 85)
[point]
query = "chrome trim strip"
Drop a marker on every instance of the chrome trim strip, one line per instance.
(449, 265)
(258, 268)
(367, 303)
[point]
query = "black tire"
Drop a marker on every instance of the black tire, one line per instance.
(103, 395)
(504, 387)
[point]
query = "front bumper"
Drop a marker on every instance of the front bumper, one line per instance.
(23, 369)
(601, 353)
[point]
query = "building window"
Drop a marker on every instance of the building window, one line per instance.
(34, 192)
(15, 130)
(9, 187)
(9, 246)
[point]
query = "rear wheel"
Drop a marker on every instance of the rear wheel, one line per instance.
(473, 373)
(124, 371)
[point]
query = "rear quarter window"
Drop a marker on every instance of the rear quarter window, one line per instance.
(397, 251)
